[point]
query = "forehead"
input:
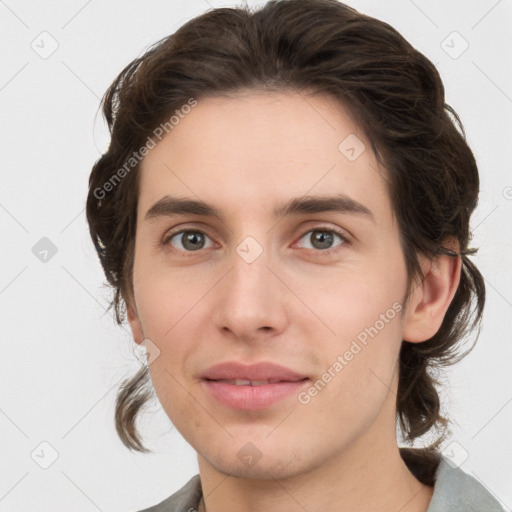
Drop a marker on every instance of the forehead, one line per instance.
(246, 153)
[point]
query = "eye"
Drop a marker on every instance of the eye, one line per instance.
(322, 239)
(190, 240)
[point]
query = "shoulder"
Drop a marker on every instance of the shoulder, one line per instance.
(457, 491)
(185, 499)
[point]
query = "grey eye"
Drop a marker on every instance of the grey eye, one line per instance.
(190, 240)
(322, 239)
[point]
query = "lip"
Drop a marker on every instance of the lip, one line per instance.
(248, 397)
(257, 371)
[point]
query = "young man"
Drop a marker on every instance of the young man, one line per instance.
(284, 213)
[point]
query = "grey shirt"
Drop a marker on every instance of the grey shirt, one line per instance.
(454, 491)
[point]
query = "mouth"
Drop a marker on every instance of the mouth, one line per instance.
(251, 387)
(252, 395)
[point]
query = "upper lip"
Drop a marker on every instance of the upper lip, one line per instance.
(257, 371)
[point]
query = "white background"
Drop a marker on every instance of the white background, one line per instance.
(63, 358)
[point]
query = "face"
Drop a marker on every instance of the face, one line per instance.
(317, 290)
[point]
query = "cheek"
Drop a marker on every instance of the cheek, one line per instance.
(174, 394)
(357, 381)
(351, 302)
(362, 310)
(165, 297)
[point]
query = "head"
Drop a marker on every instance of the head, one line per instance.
(247, 111)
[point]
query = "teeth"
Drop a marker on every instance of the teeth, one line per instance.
(245, 382)
(259, 382)
(242, 382)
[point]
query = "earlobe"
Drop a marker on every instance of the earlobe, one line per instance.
(431, 297)
(135, 324)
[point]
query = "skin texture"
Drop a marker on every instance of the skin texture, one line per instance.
(295, 305)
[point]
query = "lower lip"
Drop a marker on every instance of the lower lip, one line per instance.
(252, 398)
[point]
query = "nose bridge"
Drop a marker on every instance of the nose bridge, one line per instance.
(249, 279)
(250, 296)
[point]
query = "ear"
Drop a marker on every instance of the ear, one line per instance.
(134, 321)
(432, 296)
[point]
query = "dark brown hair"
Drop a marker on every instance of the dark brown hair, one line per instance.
(396, 95)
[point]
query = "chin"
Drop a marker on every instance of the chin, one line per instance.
(269, 470)
(250, 463)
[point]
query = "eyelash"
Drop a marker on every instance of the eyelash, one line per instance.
(324, 229)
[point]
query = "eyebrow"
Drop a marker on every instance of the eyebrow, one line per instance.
(168, 206)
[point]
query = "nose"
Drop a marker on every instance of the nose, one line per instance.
(251, 301)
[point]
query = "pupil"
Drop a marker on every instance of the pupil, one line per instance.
(193, 238)
(324, 238)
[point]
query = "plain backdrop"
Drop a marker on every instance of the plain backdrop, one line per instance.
(63, 358)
